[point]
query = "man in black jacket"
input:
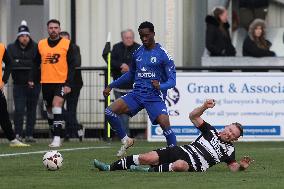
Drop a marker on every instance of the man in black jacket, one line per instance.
(5, 122)
(22, 53)
(121, 58)
(72, 126)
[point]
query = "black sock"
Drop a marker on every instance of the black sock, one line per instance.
(57, 124)
(50, 124)
(122, 164)
(161, 168)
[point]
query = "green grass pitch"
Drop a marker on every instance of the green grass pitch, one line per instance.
(27, 171)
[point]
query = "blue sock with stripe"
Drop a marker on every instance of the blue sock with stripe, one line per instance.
(115, 122)
(170, 136)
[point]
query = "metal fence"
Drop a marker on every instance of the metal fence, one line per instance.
(91, 105)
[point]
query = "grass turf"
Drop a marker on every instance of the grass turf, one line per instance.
(27, 171)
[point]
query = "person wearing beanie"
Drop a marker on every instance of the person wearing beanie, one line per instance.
(5, 122)
(23, 53)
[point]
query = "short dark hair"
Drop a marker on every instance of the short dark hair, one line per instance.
(53, 21)
(65, 33)
(148, 25)
(240, 127)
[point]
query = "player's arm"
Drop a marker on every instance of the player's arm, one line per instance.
(195, 115)
(171, 74)
(242, 165)
(77, 58)
(72, 56)
(126, 78)
(8, 63)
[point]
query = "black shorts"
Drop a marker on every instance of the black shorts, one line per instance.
(49, 91)
(172, 154)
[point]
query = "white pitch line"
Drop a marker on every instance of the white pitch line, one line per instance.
(60, 150)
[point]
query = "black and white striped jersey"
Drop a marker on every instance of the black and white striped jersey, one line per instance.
(208, 149)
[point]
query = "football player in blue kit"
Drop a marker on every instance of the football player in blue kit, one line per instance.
(152, 73)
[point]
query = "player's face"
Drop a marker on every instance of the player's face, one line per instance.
(24, 40)
(53, 30)
(230, 133)
(147, 37)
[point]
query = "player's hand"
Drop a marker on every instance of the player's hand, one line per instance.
(107, 90)
(2, 84)
(31, 84)
(246, 161)
(124, 68)
(209, 103)
(66, 89)
(156, 84)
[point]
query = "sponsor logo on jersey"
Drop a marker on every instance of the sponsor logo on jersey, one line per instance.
(51, 58)
(139, 59)
(153, 60)
(145, 74)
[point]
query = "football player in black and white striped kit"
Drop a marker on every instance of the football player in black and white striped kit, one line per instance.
(210, 148)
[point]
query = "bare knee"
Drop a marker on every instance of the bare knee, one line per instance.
(119, 107)
(57, 101)
(180, 166)
(164, 121)
(150, 158)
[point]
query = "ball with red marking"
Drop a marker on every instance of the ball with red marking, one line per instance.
(52, 160)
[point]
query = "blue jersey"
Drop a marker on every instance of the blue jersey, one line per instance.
(148, 65)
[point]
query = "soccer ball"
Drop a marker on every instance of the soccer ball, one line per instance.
(52, 160)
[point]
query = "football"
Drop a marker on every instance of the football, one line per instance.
(52, 160)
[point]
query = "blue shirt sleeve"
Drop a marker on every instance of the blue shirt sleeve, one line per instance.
(170, 71)
(126, 78)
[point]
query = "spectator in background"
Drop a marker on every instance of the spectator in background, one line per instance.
(255, 44)
(218, 40)
(23, 52)
(72, 126)
(121, 58)
(5, 122)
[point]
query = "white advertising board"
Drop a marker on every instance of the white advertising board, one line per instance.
(256, 100)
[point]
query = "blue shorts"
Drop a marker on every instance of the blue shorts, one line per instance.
(136, 103)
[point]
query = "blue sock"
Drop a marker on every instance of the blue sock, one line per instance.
(115, 122)
(170, 136)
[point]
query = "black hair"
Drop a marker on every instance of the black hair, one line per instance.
(53, 21)
(148, 25)
(65, 33)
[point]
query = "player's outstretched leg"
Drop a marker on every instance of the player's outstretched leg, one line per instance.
(177, 166)
(164, 122)
(167, 167)
(122, 164)
(125, 163)
(101, 165)
(112, 115)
